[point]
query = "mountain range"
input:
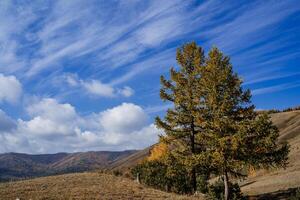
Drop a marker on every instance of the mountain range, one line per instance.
(18, 165)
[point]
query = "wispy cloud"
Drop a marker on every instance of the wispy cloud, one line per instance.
(11, 29)
(155, 63)
(125, 40)
(251, 26)
(276, 88)
(96, 87)
(261, 77)
(117, 34)
(157, 108)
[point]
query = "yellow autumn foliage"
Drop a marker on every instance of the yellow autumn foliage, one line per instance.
(251, 171)
(158, 151)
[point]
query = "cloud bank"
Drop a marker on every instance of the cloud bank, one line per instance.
(57, 127)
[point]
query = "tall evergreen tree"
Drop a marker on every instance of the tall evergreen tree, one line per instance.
(212, 124)
(235, 136)
(180, 124)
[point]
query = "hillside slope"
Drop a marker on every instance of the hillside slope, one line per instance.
(131, 160)
(83, 186)
(17, 165)
(282, 179)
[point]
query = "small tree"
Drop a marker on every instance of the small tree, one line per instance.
(235, 136)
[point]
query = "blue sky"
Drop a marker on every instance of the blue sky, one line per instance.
(68, 69)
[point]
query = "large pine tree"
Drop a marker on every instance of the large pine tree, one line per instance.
(235, 136)
(212, 124)
(180, 124)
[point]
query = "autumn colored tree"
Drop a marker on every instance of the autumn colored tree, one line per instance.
(212, 125)
(180, 123)
(235, 136)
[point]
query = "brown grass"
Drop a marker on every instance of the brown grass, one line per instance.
(83, 186)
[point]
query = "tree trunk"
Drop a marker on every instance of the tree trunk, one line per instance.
(138, 178)
(167, 188)
(226, 186)
(193, 175)
(194, 181)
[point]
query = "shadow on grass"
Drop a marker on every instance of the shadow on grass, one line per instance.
(278, 195)
(245, 184)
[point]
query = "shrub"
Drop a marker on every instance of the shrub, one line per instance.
(202, 185)
(291, 109)
(296, 196)
(152, 173)
(117, 173)
(216, 191)
(156, 174)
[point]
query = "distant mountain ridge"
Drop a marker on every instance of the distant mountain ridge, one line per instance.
(19, 165)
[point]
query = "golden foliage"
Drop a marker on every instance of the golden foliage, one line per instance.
(158, 151)
(251, 171)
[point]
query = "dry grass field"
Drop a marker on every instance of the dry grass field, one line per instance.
(85, 186)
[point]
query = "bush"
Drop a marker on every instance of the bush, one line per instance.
(152, 173)
(296, 196)
(202, 185)
(216, 191)
(291, 109)
(168, 174)
(117, 173)
(273, 111)
(158, 175)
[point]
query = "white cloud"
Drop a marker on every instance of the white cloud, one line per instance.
(96, 87)
(126, 91)
(71, 80)
(158, 31)
(54, 127)
(10, 89)
(125, 118)
(44, 127)
(50, 118)
(51, 109)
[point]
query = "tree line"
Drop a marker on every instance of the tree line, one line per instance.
(211, 130)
